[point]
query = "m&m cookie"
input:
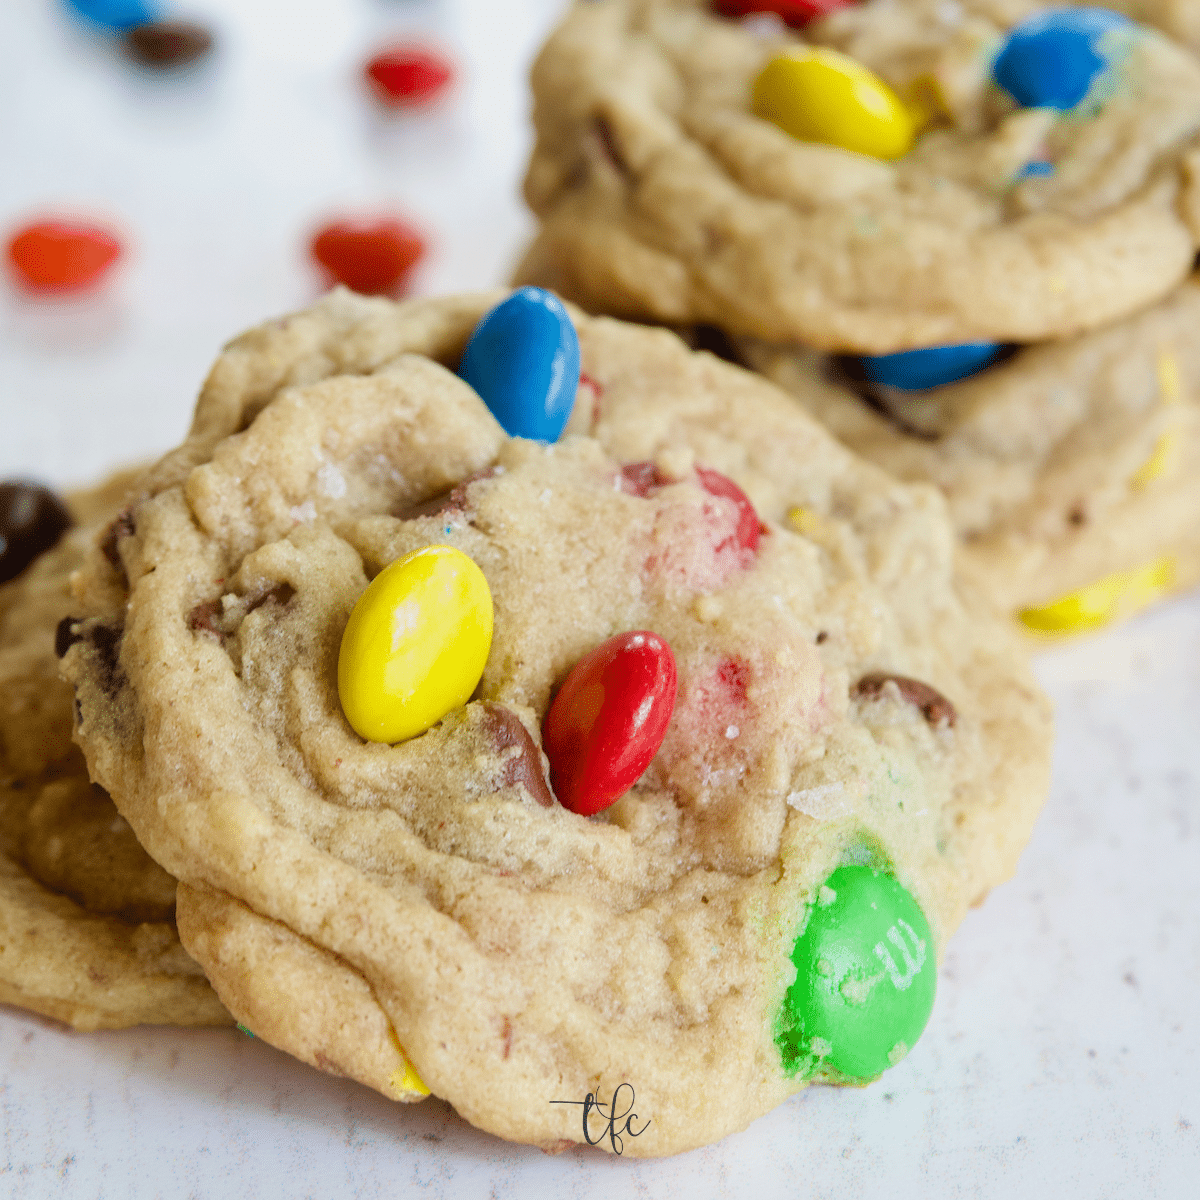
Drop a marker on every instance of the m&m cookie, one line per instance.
(532, 767)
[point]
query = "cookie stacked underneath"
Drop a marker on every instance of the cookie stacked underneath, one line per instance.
(961, 235)
(853, 749)
(87, 931)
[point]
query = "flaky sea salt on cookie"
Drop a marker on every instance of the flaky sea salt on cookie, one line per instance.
(1072, 469)
(87, 930)
(897, 175)
(542, 771)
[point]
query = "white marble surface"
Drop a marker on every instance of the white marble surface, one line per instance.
(1064, 1050)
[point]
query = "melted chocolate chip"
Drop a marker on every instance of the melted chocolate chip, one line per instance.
(524, 768)
(168, 43)
(106, 640)
(1078, 515)
(453, 500)
(280, 594)
(205, 617)
(933, 705)
(716, 341)
(65, 637)
(641, 478)
(32, 519)
(122, 527)
(607, 141)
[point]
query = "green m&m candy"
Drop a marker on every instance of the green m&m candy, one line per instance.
(866, 973)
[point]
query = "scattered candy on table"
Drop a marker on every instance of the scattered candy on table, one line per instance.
(117, 14)
(794, 12)
(608, 720)
(408, 75)
(1051, 59)
(866, 974)
(821, 95)
(62, 255)
(1120, 594)
(32, 519)
(371, 255)
(917, 370)
(523, 360)
(168, 43)
(415, 645)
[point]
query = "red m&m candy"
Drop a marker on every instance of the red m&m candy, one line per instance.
(609, 719)
(749, 526)
(370, 255)
(62, 256)
(408, 75)
(644, 478)
(794, 12)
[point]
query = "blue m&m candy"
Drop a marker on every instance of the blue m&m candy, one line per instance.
(916, 370)
(523, 360)
(1051, 59)
(117, 14)
(1036, 168)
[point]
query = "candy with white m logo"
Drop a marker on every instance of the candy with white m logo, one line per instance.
(866, 973)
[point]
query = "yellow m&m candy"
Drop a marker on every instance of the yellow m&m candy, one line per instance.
(415, 645)
(1120, 594)
(820, 95)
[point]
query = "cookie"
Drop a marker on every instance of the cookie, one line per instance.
(851, 732)
(86, 917)
(663, 196)
(1071, 469)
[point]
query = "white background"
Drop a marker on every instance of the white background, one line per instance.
(1063, 1057)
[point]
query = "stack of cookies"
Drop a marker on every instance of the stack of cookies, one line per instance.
(498, 702)
(961, 235)
(533, 711)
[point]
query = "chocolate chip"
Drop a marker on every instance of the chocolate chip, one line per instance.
(608, 144)
(1078, 515)
(716, 341)
(450, 501)
(641, 478)
(121, 528)
(205, 617)
(524, 768)
(32, 519)
(107, 641)
(453, 500)
(280, 594)
(64, 636)
(168, 43)
(935, 707)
